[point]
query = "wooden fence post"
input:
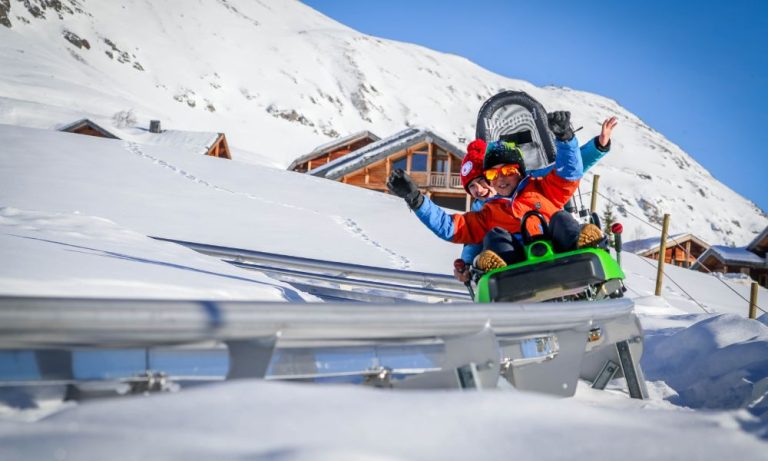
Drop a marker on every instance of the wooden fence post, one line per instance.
(753, 301)
(662, 254)
(593, 203)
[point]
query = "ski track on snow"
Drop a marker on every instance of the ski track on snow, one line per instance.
(348, 224)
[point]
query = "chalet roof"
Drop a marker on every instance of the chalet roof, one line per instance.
(651, 245)
(382, 149)
(83, 122)
(199, 142)
(333, 145)
(760, 243)
(739, 256)
(193, 141)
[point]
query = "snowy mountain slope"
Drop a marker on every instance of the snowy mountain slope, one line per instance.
(280, 79)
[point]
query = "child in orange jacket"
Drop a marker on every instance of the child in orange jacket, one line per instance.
(497, 224)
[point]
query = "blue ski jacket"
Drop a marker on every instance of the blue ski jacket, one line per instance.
(590, 155)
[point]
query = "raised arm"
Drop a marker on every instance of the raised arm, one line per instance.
(458, 228)
(568, 163)
(597, 147)
(560, 183)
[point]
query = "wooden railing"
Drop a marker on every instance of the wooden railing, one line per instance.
(440, 179)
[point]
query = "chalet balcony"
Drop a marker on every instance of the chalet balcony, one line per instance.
(444, 181)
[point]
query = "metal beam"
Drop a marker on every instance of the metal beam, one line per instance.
(395, 290)
(29, 322)
(541, 346)
(349, 270)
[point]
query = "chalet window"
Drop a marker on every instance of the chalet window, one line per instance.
(418, 162)
(439, 164)
(399, 163)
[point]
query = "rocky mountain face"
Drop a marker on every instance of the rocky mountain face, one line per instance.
(280, 79)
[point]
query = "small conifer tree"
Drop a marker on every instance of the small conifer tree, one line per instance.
(608, 219)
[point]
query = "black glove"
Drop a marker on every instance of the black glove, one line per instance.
(402, 185)
(560, 124)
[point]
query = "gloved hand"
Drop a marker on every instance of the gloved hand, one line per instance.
(400, 184)
(461, 271)
(560, 124)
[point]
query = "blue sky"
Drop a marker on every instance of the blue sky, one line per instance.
(695, 71)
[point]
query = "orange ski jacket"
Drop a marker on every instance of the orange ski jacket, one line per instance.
(547, 195)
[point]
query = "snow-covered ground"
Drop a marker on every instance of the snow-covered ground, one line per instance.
(76, 214)
(270, 421)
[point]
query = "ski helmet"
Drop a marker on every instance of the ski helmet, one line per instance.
(501, 153)
(472, 165)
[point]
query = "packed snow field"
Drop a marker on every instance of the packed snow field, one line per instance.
(78, 213)
(75, 219)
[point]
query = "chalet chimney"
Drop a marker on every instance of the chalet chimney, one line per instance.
(154, 126)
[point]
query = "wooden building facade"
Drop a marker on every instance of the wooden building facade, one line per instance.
(759, 245)
(432, 162)
(87, 127)
(682, 250)
(751, 260)
(331, 151)
(220, 148)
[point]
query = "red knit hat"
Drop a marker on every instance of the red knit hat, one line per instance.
(472, 165)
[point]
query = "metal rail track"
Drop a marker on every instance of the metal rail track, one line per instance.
(537, 346)
(338, 280)
(542, 347)
(52, 322)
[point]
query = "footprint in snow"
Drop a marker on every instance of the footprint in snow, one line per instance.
(350, 225)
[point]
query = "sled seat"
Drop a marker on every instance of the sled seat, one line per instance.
(546, 280)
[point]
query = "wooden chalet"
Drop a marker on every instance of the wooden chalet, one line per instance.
(332, 150)
(759, 245)
(220, 148)
(751, 260)
(431, 161)
(198, 142)
(681, 249)
(88, 128)
(206, 143)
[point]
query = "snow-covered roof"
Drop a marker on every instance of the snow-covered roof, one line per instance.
(333, 145)
(194, 141)
(199, 142)
(70, 127)
(381, 149)
(759, 243)
(732, 255)
(651, 244)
